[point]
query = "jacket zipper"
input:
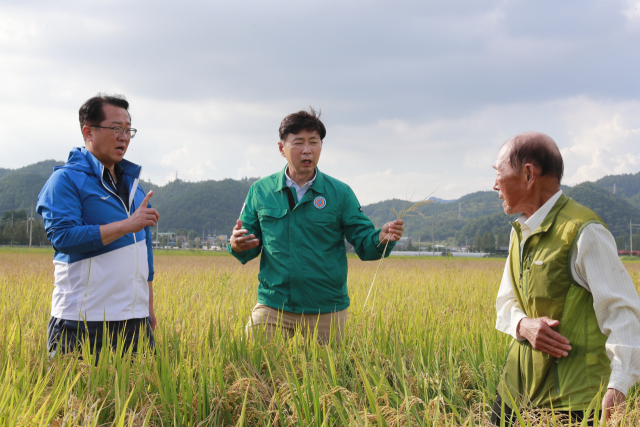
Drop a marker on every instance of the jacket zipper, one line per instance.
(86, 291)
(135, 241)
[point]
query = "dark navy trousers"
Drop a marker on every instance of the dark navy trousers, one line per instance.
(65, 336)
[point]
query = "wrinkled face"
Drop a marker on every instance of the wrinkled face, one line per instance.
(108, 148)
(302, 151)
(511, 186)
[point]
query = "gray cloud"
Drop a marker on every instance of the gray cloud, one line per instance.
(423, 89)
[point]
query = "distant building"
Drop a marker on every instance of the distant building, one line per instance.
(403, 243)
(222, 240)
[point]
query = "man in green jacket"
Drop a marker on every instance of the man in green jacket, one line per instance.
(298, 219)
(565, 297)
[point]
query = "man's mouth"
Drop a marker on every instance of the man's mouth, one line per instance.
(120, 150)
(307, 163)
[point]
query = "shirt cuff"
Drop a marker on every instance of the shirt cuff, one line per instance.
(517, 317)
(621, 382)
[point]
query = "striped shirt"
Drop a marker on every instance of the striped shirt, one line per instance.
(596, 267)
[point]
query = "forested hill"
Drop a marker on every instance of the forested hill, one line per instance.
(627, 186)
(482, 212)
(19, 188)
(210, 206)
(213, 206)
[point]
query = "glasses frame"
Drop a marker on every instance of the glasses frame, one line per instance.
(131, 132)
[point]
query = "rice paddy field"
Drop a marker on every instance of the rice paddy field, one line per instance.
(423, 352)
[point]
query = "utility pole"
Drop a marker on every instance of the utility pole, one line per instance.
(631, 234)
(614, 188)
(30, 223)
(433, 244)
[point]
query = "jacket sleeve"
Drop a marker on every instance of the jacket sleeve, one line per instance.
(61, 209)
(149, 241)
(360, 232)
(251, 223)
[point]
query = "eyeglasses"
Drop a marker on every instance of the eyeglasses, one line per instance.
(117, 130)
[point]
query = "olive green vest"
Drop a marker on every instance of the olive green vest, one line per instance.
(544, 286)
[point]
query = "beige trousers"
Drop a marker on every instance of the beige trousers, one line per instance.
(271, 320)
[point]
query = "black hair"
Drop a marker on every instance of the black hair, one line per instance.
(302, 120)
(92, 113)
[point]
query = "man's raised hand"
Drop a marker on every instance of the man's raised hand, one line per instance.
(392, 230)
(143, 216)
(239, 242)
(539, 333)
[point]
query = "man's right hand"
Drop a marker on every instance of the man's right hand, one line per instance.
(539, 333)
(143, 216)
(239, 242)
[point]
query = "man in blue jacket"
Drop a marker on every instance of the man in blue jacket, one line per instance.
(98, 219)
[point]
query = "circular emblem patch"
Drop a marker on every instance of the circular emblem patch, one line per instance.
(319, 202)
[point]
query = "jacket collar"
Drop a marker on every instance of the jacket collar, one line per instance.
(548, 220)
(553, 214)
(317, 186)
(128, 168)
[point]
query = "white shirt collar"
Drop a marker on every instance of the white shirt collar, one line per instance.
(531, 224)
(291, 182)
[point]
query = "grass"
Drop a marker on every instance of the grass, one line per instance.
(426, 354)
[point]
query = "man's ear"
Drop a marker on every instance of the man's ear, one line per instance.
(530, 173)
(281, 148)
(86, 133)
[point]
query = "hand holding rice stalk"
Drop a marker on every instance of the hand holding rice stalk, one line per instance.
(406, 211)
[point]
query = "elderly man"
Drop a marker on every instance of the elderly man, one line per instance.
(565, 297)
(98, 219)
(299, 219)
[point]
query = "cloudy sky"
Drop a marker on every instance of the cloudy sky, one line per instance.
(417, 96)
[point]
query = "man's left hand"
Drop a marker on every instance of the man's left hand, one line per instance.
(613, 401)
(154, 320)
(392, 230)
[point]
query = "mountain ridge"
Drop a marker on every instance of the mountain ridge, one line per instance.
(213, 205)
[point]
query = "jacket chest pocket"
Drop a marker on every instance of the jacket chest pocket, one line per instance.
(322, 228)
(273, 225)
(321, 219)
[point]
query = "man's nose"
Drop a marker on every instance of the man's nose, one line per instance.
(495, 185)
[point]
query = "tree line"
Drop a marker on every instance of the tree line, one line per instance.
(15, 229)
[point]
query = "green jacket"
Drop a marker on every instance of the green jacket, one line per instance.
(303, 267)
(544, 286)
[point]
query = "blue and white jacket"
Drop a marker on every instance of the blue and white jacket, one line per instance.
(95, 282)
